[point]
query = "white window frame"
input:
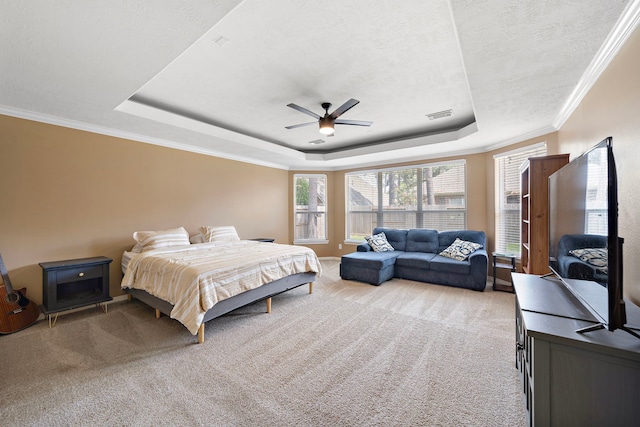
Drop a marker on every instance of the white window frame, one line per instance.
(500, 210)
(348, 240)
(324, 225)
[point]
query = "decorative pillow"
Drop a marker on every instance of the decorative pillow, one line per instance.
(379, 243)
(460, 249)
(149, 240)
(219, 234)
(596, 257)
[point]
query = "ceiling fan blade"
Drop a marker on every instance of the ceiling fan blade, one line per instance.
(304, 110)
(353, 122)
(344, 108)
(301, 125)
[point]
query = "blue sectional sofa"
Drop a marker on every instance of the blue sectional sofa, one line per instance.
(415, 256)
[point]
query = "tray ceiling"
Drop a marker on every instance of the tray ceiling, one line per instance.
(216, 77)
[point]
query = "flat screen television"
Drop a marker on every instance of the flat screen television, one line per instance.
(585, 251)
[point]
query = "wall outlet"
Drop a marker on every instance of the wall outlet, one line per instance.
(339, 245)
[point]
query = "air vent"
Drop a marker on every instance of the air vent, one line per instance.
(317, 142)
(440, 114)
(221, 40)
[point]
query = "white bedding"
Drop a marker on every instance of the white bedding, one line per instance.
(195, 277)
(126, 257)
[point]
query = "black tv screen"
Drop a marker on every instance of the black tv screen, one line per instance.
(585, 250)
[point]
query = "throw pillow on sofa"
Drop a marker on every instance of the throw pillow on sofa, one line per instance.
(597, 257)
(460, 249)
(379, 243)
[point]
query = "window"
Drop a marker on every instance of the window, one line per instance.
(507, 196)
(427, 196)
(596, 221)
(310, 208)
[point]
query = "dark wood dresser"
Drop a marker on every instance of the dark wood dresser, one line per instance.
(570, 378)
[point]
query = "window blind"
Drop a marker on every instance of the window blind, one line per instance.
(507, 197)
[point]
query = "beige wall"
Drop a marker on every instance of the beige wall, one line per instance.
(72, 194)
(612, 108)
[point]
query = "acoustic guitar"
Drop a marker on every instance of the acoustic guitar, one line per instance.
(16, 310)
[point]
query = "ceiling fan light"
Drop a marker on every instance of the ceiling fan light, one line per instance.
(326, 126)
(326, 130)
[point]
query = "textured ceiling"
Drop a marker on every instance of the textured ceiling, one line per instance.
(216, 77)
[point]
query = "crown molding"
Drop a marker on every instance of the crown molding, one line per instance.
(623, 29)
(102, 130)
(521, 138)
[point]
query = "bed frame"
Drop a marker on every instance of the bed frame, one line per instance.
(264, 292)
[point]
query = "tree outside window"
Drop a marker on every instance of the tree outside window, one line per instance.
(426, 196)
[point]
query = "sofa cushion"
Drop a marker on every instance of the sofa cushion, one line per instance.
(376, 260)
(440, 263)
(367, 275)
(577, 241)
(379, 243)
(446, 238)
(419, 260)
(397, 238)
(422, 240)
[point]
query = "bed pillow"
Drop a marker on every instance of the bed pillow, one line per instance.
(460, 249)
(219, 234)
(149, 240)
(197, 238)
(379, 243)
(596, 257)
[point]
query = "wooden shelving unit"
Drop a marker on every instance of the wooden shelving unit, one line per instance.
(534, 205)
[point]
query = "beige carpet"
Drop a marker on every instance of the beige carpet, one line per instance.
(401, 354)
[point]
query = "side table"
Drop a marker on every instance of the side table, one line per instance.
(74, 283)
(505, 261)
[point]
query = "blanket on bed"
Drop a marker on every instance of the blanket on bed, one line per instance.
(194, 278)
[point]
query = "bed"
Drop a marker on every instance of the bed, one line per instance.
(196, 282)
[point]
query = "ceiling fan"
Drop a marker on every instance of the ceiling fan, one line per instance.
(328, 121)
